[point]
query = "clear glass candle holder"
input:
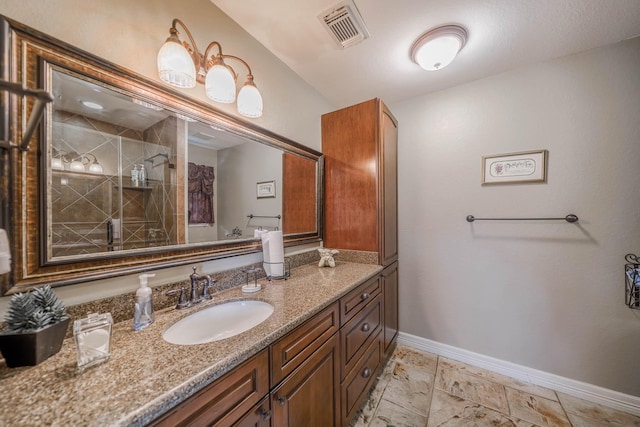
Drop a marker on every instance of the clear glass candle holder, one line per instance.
(93, 339)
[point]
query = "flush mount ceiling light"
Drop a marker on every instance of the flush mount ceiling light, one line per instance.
(436, 48)
(180, 64)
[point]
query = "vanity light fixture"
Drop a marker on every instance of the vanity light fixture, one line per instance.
(436, 48)
(77, 165)
(94, 167)
(181, 64)
(56, 162)
(76, 161)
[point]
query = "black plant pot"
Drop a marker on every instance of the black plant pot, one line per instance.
(32, 348)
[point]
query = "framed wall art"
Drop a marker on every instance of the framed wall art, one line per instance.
(266, 189)
(526, 166)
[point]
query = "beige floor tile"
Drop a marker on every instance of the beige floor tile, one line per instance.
(471, 387)
(416, 358)
(415, 384)
(536, 409)
(584, 413)
(450, 411)
(499, 378)
(391, 414)
(410, 387)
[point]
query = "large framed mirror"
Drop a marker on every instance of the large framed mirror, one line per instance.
(126, 174)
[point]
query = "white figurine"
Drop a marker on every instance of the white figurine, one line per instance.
(326, 257)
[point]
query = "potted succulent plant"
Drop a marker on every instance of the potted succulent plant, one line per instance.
(37, 323)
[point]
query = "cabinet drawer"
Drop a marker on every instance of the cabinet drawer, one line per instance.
(353, 302)
(359, 380)
(290, 351)
(356, 335)
(226, 400)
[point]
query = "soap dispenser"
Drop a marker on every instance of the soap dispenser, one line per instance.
(143, 309)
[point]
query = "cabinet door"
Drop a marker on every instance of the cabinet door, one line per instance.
(390, 290)
(349, 143)
(310, 396)
(389, 168)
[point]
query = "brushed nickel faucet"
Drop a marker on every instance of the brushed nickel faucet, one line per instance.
(195, 297)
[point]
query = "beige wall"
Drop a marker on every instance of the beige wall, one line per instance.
(547, 295)
(129, 33)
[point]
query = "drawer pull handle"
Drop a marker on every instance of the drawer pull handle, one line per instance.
(365, 327)
(265, 414)
(365, 296)
(281, 401)
(366, 373)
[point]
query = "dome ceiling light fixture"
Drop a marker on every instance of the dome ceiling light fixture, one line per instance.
(436, 48)
(181, 64)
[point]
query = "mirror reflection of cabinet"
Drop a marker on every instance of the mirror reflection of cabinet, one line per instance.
(76, 215)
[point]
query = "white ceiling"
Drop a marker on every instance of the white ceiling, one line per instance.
(503, 34)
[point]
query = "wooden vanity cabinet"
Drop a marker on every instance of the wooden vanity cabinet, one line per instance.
(360, 147)
(230, 400)
(318, 374)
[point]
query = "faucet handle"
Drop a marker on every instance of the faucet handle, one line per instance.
(208, 283)
(182, 300)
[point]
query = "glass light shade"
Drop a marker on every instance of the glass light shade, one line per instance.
(56, 164)
(175, 65)
(250, 101)
(77, 166)
(95, 167)
(438, 53)
(220, 84)
(438, 48)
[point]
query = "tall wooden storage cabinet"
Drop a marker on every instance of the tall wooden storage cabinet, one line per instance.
(361, 203)
(360, 147)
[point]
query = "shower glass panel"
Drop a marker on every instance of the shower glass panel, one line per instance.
(94, 205)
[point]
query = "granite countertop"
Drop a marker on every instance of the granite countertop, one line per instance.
(145, 375)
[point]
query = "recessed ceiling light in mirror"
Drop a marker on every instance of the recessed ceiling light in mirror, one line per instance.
(92, 105)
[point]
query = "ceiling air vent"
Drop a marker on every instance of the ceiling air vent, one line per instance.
(345, 24)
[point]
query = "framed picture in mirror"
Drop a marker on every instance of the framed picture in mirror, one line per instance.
(266, 189)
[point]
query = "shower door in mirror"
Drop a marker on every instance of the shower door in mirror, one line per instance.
(112, 175)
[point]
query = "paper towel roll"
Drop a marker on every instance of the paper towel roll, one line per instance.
(273, 253)
(115, 223)
(5, 253)
(259, 233)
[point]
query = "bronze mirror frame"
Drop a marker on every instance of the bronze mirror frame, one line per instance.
(26, 55)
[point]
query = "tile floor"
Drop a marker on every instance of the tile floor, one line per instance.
(422, 389)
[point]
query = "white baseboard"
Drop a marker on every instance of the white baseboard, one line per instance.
(590, 392)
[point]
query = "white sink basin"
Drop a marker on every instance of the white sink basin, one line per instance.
(218, 322)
